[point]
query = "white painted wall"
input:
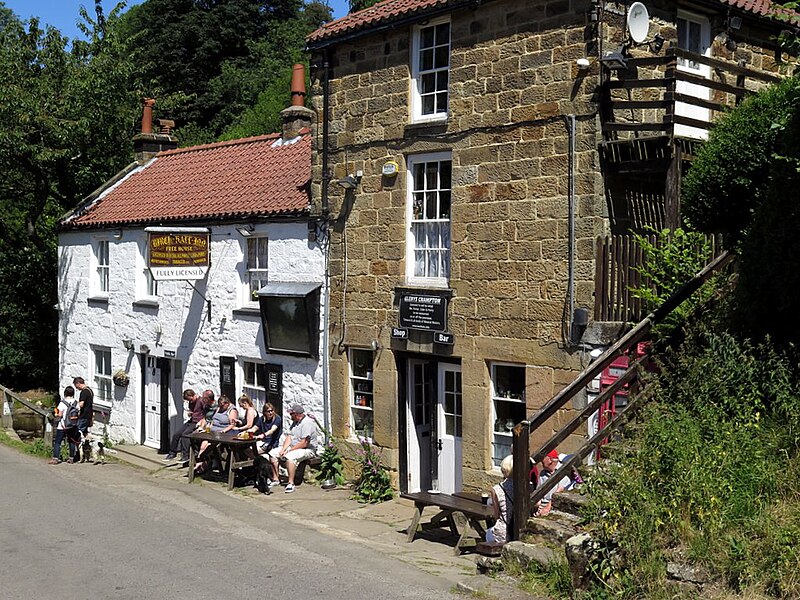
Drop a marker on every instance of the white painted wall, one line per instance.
(181, 316)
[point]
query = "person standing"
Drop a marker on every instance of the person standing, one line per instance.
(299, 444)
(65, 429)
(86, 406)
(195, 414)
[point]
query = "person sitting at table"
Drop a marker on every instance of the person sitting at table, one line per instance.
(502, 499)
(271, 428)
(248, 416)
(550, 463)
(299, 444)
(222, 421)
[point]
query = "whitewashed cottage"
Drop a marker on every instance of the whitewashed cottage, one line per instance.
(195, 268)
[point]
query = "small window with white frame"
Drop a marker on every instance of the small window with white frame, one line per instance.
(147, 285)
(256, 265)
(361, 393)
(430, 71)
(428, 211)
(254, 382)
(100, 268)
(508, 406)
(101, 374)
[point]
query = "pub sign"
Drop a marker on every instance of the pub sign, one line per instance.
(424, 312)
(178, 255)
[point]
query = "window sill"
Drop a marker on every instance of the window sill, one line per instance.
(411, 287)
(145, 303)
(247, 311)
(438, 125)
(98, 300)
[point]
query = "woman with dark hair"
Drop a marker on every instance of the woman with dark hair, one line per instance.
(222, 421)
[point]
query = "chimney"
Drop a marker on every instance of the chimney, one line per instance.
(147, 144)
(297, 116)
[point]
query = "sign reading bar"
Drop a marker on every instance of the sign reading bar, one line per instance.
(178, 255)
(398, 333)
(426, 312)
(444, 338)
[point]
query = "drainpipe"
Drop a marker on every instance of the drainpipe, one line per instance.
(570, 230)
(326, 240)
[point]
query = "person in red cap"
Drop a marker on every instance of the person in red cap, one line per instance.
(550, 463)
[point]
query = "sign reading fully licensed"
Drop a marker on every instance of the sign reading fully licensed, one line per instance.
(178, 255)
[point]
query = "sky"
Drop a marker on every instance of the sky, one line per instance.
(63, 14)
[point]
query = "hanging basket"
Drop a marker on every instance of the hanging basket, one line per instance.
(121, 379)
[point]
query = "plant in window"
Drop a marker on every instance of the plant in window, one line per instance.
(374, 484)
(121, 378)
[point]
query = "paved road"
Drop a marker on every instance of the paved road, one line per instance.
(96, 532)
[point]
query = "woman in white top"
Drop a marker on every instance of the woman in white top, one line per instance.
(65, 428)
(502, 498)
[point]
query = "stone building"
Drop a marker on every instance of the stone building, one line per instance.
(194, 268)
(468, 157)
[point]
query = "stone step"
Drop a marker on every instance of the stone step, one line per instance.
(139, 456)
(550, 530)
(569, 502)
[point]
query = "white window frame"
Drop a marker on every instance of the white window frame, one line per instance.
(100, 266)
(418, 71)
(414, 218)
(259, 272)
(361, 393)
(704, 31)
(510, 401)
(101, 379)
(251, 384)
(146, 285)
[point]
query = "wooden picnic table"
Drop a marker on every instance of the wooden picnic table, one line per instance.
(235, 458)
(473, 514)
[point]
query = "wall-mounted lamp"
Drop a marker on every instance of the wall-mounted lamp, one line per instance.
(615, 61)
(144, 349)
(375, 345)
(350, 182)
(583, 63)
(246, 230)
(128, 344)
(117, 234)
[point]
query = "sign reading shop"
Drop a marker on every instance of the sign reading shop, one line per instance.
(179, 253)
(424, 312)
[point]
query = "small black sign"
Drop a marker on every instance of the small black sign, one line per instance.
(426, 312)
(444, 338)
(398, 333)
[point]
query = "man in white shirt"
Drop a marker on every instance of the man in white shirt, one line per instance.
(299, 444)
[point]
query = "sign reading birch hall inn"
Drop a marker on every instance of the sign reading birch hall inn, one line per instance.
(178, 255)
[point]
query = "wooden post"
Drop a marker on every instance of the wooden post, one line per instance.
(520, 449)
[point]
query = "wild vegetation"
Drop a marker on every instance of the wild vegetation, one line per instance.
(68, 111)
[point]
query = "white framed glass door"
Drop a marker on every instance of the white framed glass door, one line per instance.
(419, 410)
(449, 421)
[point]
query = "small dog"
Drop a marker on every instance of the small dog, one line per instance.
(90, 446)
(263, 473)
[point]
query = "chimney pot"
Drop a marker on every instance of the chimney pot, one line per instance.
(298, 85)
(147, 115)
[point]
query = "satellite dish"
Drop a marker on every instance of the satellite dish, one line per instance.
(638, 22)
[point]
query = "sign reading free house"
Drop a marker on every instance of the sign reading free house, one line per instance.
(180, 253)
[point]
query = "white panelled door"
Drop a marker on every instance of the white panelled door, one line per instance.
(449, 428)
(152, 403)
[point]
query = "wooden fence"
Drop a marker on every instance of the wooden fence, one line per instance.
(10, 397)
(617, 273)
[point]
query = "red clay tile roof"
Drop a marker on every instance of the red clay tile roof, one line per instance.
(377, 14)
(227, 180)
(387, 11)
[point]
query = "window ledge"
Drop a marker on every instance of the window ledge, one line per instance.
(247, 311)
(410, 287)
(438, 125)
(146, 303)
(98, 300)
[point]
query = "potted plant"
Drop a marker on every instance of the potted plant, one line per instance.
(121, 378)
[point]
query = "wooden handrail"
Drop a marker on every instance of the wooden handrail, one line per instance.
(37, 409)
(523, 431)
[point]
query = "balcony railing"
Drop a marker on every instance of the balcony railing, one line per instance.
(642, 99)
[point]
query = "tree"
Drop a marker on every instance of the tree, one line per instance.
(63, 115)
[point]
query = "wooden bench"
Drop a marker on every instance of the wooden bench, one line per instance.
(473, 514)
(300, 472)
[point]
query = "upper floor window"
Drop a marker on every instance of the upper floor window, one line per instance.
(428, 243)
(147, 285)
(693, 35)
(100, 268)
(430, 71)
(256, 265)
